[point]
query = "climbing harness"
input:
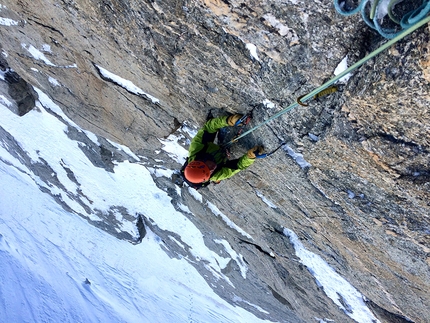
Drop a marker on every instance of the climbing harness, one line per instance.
(401, 18)
(242, 122)
(326, 85)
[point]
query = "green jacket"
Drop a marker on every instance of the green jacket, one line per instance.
(201, 142)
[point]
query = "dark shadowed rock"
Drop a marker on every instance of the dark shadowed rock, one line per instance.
(22, 95)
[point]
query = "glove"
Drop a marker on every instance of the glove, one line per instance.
(231, 120)
(255, 152)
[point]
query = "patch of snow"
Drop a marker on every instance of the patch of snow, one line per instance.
(160, 172)
(53, 81)
(237, 299)
(230, 223)
(218, 275)
(48, 253)
(265, 200)
(46, 48)
(184, 208)
(8, 22)
(351, 194)
(298, 158)
(325, 320)
(283, 30)
(187, 129)
(174, 149)
(128, 226)
(343, 66)
(126, 84)
(269, 104)
(46, 102)
(5, 101)
(334, 286)
(313, 137)
(196, 195)
(235, 256)
(117, 145)
(37, 54)
(253, 51)
(92, 137)
(177, 242)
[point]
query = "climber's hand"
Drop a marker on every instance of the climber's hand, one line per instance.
(234, 119)
(256, 152)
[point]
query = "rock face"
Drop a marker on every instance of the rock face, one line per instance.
(363, 204)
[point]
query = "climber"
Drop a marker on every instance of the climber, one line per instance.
(207, 161)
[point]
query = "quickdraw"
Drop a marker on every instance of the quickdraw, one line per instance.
(242, 122)
(325, 92)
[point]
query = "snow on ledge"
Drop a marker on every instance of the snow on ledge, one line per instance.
(37, 54)
(343, 66)
(265, 200)
(335, 287)
(268, 104)
(198, 197)
(126, 84)
(8, 22)
(253, 51)
(172, 147)
(298, 158)
(238, 258)
(229, 222)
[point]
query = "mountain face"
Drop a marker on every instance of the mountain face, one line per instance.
(135, 72)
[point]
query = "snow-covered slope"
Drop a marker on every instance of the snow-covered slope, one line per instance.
(56, 267)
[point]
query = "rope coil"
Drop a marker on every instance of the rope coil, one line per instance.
(402, 19)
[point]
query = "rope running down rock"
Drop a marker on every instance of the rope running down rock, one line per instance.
(339, 76)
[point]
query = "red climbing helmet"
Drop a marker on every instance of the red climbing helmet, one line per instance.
(197, 172)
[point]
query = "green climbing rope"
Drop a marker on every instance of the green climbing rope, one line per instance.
(339, 76)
